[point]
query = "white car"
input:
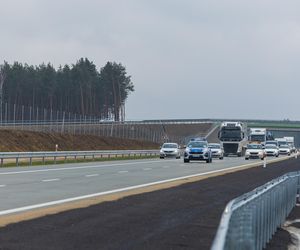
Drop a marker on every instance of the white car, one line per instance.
(284, 149)
(169, 150)
(254, 151)
(271, 150)
(216, 150)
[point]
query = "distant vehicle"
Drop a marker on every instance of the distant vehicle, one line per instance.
(271, 150)
(199, 139)
(284, 149)
(273, 142)
(258, 135)
(290, 142)
(233, 138)
(255, 151)
(216, 150)
(169, 150)
(281, 141)
(198, 151)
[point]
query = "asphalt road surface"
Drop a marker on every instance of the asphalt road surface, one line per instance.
(182, 217)
(25, 188)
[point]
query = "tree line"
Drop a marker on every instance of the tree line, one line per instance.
(79, 88)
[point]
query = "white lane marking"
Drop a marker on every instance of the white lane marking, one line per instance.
(57, 202)
(50, 180)
(1, 186)
(122, 172)
(91, 175)
(147, 169)
(167, 166)
(82, 167)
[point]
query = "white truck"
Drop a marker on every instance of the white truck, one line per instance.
(258, 135)
(290, 141)
(233, 138)
(281, 141)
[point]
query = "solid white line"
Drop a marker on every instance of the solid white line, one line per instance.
(167, 166)
(82, 167)
(49, 180)
(57, 202)
(1, 186)
(91, 175)
(122, 172)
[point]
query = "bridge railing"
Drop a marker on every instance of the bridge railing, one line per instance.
(249, 221)
(58, 155)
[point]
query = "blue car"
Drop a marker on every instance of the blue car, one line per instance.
(197, 151)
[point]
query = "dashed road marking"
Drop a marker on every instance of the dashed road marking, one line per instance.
(147, 169)
(166, 167)
(1, 186)
(91, 175)
(122, 172)
(57, 202)
(50, 180)
(81, 167)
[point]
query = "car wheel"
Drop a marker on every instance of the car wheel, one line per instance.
(221, 158)
(277, 155)
(246, 158)
(177, 157)
(186, 160)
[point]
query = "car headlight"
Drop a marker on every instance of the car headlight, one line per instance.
(162, 152)
(247, 153)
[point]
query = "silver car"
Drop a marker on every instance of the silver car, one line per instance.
(169, 149)
(216, 150)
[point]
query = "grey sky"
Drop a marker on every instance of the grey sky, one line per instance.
(188, 59)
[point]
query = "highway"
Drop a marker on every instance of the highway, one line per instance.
(26, 188)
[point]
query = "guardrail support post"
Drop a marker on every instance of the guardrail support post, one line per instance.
(30, 161)
(17, 161)
(43, 160)
(93, 157)
(65, 159)
(54, 159)
(1, 162)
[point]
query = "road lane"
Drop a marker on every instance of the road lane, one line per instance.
(35, 185)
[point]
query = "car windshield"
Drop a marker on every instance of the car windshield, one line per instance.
(197, 144)
(169, 145)
(271, 143)
(284, 146)
(270, 146)
(214, 145)
(254, 146)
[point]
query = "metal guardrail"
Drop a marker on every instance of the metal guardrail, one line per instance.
(249, 221)
(74, 154)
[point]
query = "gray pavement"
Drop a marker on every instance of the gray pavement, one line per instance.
(30, 186)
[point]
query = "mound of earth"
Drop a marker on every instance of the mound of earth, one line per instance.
(18, 141)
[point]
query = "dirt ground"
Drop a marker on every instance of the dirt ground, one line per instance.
(19, 141)
(182, 217)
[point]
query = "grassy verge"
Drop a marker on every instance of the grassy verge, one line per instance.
(25, 163)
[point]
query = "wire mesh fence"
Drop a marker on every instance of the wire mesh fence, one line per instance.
(54, 121)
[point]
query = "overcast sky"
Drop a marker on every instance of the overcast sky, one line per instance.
(188, 58)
